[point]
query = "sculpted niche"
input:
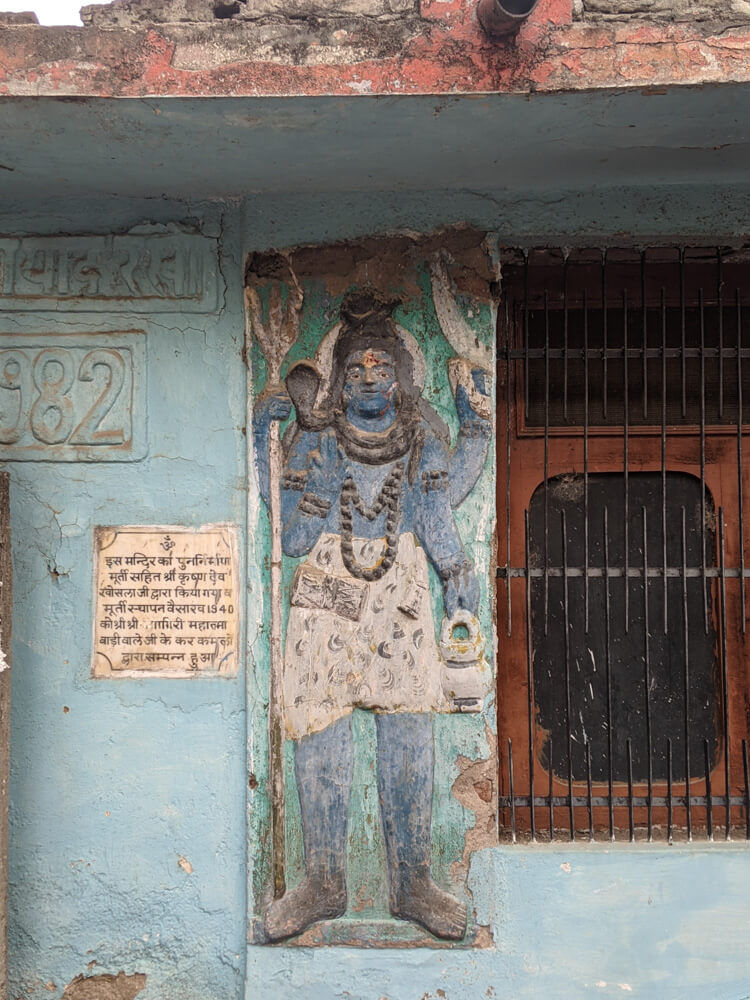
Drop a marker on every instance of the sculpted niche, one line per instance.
(368, 484)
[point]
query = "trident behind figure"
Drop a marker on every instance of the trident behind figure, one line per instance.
(368, 492)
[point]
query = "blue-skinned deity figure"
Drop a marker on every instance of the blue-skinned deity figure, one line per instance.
(368, 493)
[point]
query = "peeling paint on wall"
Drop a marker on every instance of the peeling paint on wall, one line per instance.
(105, 987)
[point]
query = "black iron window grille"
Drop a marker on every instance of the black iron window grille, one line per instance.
(623, 680)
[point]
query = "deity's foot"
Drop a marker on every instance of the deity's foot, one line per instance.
(417, 898)
(315, 898)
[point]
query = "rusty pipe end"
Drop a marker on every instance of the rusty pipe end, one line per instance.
(501, 18)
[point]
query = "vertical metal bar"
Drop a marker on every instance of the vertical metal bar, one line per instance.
(686, 678)
(631, 820)
(608, 669)
(546, 461)
(586, 461)
(725, 678)
(647, 678)
(508, 393)
(747, 789)
(549, 794)
(625, 444)
(702, 314)
(682, 327)
(709, 803)
(589, 793)
(529, 672)
(740, 487)
(664, 450)
(526, 334)
(669, 791)
(565, 335)
(644, 323)
(512, 792)
(720, 309)
(566, 616)
(604, 334)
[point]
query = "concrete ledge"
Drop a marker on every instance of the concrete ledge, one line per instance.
(133, 51)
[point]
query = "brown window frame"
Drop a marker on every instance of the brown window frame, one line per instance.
(527, 455)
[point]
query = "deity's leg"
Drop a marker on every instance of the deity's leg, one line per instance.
(405, 770)
(323, 765)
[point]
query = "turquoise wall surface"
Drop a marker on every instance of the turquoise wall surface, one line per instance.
(114, 782)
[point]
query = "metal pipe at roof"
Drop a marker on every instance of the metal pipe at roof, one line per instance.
(501, 18)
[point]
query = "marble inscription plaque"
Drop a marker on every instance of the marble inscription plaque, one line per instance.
(166, 601)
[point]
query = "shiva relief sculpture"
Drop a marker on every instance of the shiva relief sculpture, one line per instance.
(366, 489)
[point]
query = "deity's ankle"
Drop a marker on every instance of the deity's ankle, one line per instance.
(321, 895)
(414, 896)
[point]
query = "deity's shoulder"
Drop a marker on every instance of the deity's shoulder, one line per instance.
(298, 443)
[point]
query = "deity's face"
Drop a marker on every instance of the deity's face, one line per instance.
(370, 382)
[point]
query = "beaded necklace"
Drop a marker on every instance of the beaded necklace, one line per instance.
(388, 499)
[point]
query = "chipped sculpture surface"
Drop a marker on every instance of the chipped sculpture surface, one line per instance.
(368, 489)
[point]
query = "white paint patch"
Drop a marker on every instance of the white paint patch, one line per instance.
(602, 984)
(457, 331)
(626, 987)
(566, 867)
(361, 86)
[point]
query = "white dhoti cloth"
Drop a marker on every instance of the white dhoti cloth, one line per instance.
(357, 644)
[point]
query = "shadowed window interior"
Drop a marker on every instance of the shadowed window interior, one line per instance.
(629, 667)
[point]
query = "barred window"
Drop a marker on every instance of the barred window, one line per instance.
(622, 678)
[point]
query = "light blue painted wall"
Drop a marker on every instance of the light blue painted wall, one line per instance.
(651, 923)
(108, 796)
(167, 759)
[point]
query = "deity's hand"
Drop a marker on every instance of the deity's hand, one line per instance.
(460, 588)
(273, 404)
(472, 387)
(326, 467)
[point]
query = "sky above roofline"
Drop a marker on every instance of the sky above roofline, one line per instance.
(48, 11)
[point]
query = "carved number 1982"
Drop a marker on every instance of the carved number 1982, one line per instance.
(44, 404)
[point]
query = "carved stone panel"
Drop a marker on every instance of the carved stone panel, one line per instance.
(72, 397)
(164, 272)
(379, 500)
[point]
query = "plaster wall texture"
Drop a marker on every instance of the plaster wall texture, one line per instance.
(136, 777)
(133, 12)
(668, 10)
(115, 784)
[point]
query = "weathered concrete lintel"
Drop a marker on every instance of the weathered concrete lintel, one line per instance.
(133, 51)
(132, 13)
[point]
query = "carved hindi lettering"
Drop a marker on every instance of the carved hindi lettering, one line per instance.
(166, 601)
(134, 273)
(72, 397)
